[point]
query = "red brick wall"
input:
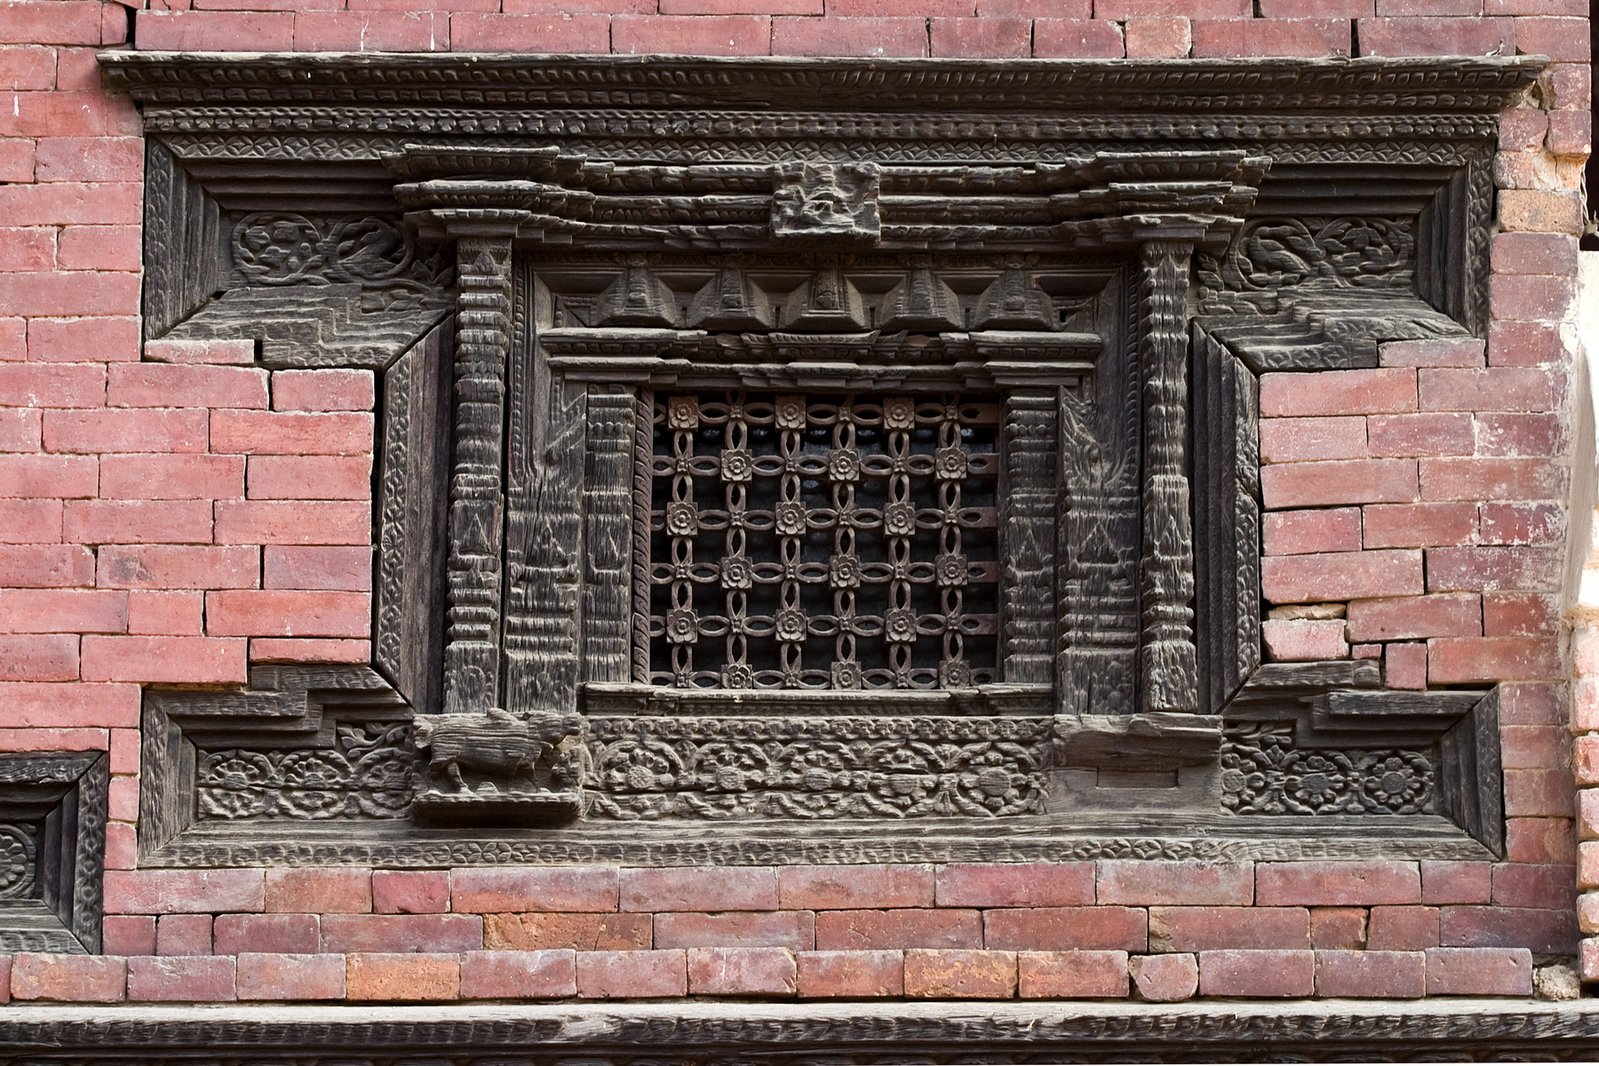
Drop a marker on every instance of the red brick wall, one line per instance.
(172, 514)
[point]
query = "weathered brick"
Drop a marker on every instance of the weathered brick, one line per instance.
(399, 31)
(1538, 793)
(1402, 928)
(1257, 973)
(1523, 523)
(1311, 532)
(1525, 885)
(632, 974)
(1313, 438)
(59, 476)
(69, 978)
(183, 891)
(39, 657)
(992, 35)
(795, 930)
(1493, 569)
(338, 890)
(1187, 929)
(854, 887)
(1060, 38)
(128, 934)
(396, 933)
(1338, 928)
(411, 892)
(581, 932)
(31, 522)
(1341, 576)
(1532, 747)
(1271, 37)
(316, 568)
(851, 974)
(1037, 884)
(1426, 433)
(155, 385)
(47, 385)
(292, 522)
(287, 977)
(386, 977)
(1494, 388)
(1190, 882)
(1454, 614)
(31, 703)
(718, 35)
(183, 934)
(949, 973)
(742, 972)
(1333, 883)
(1479, 972)
(174, 660)
(291, 432)
(1546, 932)
(1101, 928)
(1371, 974)
(171, 477)
(743, 888)
(1303, 640)
(1339, 481)
(1433, 351)
(308, 477)
(1339, 392)
(250, 612)
(1467, 660)
(178, 567)
(138, 522)
(1164, 978)
(1420, 525)
(1524, 344)
(834, 36)
(583, 888)
(1442, 36)
(312, 650)
(1491, 479)
(518, 974)
(1072, 975)
(916, 928)
(588, 34)
(1447, 881)
(181, 979)
(130, 430)
(240, 352)
(215, 31)
(278, 934)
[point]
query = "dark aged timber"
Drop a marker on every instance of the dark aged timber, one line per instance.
(815, 460)
(857, 1034)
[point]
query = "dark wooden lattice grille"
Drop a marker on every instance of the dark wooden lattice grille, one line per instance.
(843, 542)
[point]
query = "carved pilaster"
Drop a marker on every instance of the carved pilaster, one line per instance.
(1168, 663)
(608, 560)
(1029, 537)
(483, 338)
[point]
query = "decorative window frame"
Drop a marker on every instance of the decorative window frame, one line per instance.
(503, 158)
(53, 808)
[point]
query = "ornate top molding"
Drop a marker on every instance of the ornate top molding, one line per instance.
(1344, 86)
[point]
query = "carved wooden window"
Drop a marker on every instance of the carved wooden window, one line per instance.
(761, 470)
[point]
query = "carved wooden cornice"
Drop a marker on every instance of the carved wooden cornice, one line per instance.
(1346, 87)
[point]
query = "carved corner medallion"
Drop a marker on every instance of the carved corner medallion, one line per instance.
(761, 472)
(52, 850)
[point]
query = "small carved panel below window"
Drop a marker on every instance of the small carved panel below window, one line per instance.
(843, 542)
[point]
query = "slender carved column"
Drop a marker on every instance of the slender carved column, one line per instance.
(1028, 516)
(477, 495)
(1168, 664)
